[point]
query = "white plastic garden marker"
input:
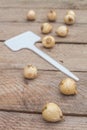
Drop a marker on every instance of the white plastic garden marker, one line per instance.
(27, 40)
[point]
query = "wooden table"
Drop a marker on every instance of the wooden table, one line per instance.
(21, 100)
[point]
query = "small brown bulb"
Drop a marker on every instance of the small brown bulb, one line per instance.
(69, 19)
(62, 31)
(30, 72)
(48, 41)
(52, 16)
(46, 28)
(71, 12)
(51, 112)
(31, 15)
(68, 87)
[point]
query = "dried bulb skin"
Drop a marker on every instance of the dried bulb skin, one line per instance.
(46, 28)
(69, 19)
(48, 41)
(62, 31)
(52, 113)
(30, 72)
(31, 15)
(52, 16)
(71, 12)
(68, 87)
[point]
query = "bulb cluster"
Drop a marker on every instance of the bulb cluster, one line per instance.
(46, 28)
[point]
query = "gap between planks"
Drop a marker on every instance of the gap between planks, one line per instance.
(33, 112)
(43, 70)
(44, 4)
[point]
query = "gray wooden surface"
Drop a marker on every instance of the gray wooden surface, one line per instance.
(21, 100)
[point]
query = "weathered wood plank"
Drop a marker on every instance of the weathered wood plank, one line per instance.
(74, 57)
(17, 93)
(23, 121)
(19, 15)
(44, 4)
(77, 33)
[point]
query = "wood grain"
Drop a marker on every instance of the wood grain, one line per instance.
(21, 121)
(77, 33)
(19, 15)
(19, 94)
(73, 56)
(21, 100)
(63, 4)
